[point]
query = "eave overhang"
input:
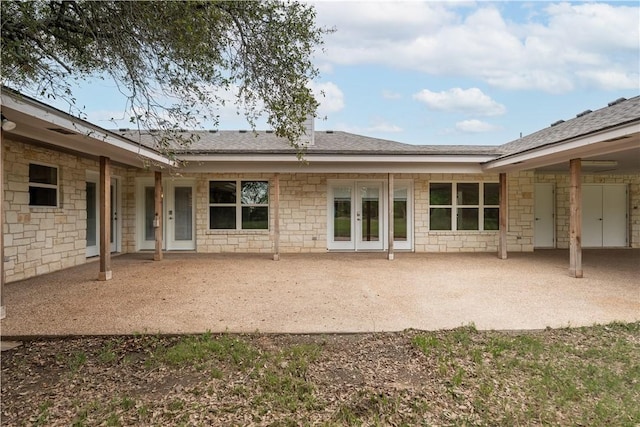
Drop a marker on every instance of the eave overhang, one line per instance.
(41, 123)
(613, 140)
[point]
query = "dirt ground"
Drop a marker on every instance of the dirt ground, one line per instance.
(326, 293)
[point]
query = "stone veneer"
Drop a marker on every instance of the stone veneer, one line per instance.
(562, 188)
(40, 240)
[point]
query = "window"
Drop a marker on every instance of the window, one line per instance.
(238, 205)
(43, 185)
(464, 206)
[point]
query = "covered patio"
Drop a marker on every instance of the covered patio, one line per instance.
(333, 292)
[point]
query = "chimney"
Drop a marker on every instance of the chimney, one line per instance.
(308, 138)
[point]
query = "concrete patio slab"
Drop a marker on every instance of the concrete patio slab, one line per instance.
(326, 293)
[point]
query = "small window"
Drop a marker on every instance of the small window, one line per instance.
(43, 185)
(238, 205)
(474, 207)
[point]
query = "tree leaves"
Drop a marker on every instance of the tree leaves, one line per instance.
(169, 59)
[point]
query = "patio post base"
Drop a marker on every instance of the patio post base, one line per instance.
(105, 275)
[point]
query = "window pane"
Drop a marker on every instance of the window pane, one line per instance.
(342, 214)
(149, 212)
(183, 213)
(440, 218)
(255, 192)
(92, 214)
(255, 217)
(43, 174)
(400, 220)
(222, 217)
(468, 193)
(492, 193)
(468, 219)
(39, 196)
(222, 192)
(491, 218)
(440, 194)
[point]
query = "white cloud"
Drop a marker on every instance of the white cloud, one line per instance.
(550, 50)
(474, 126)
(329, 96)
(469, 101)
(384, 127)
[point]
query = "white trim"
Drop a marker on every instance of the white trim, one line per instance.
(338, 158)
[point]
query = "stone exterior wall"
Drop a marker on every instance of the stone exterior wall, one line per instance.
(40, 240)
(561, 182)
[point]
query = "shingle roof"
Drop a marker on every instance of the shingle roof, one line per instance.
(617, 113)
(326, 142)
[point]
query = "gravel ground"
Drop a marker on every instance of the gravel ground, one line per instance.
(325, 293)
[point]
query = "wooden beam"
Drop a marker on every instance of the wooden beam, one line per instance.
(157, 220)
(575, 218)
(504, 210)
(105, 219)
(390, 198)
(3, 311)
(276, 217)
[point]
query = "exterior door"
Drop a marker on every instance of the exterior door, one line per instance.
(604, 216)
(356, 219)
(178, 215)
(369, 216)
(93, 211)
(544, 231)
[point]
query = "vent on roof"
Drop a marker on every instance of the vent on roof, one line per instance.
(62, 131)
(269, 131)
(557, 123)
(213, 130)
(617, 101)
(242, 131)
(329, 131)
(584, 113)
(123, 130)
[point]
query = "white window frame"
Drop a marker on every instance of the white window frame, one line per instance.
(55, 186)
(454, 206)
(238, 205)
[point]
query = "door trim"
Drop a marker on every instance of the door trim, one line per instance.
(116, 215)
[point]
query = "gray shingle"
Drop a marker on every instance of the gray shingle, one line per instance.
(621, 113)
(326, 142)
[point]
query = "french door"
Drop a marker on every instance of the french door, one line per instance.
(604, 215)
(93, 212)
(358, 216)
(178, 211)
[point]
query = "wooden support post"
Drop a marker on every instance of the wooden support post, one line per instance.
(105, 219)
(3, 311)
(157, 220)
(502, 245)
(575, 218)
(276, 217)
(390, 198)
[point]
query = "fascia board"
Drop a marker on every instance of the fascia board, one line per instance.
(58, 119)
(315, 167)
(609, 141)
(337, 159)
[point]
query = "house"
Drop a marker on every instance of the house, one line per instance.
(73, 191)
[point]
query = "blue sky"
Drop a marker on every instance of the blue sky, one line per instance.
(455, 72)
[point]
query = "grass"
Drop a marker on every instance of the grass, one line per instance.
(582, 376)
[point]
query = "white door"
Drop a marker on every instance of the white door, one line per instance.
(178, 215)
(370, 224)
(604, 215)
(614, 215)
(93, 211)
(358, 216)
(544, 227)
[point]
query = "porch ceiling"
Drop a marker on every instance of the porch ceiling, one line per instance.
(41, 124)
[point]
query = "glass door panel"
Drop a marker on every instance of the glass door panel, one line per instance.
(342, 214)
(183, 220)
(369, 214)
(92, 219)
